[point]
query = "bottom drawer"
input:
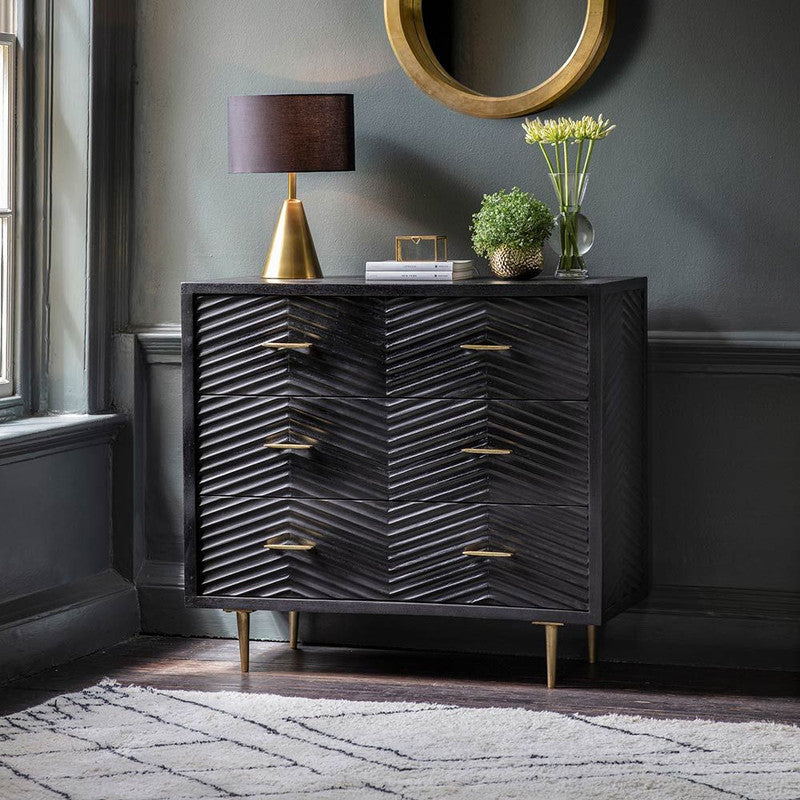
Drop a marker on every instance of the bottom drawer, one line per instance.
(499, 555)
(344, 556)
(446, 553)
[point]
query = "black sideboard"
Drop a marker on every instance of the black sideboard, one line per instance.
(470, 449)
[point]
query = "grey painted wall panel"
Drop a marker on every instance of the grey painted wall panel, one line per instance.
(164, 468)
(56, 519)
(725, 471)
(691, 190)
(725, 464)
(59, 597)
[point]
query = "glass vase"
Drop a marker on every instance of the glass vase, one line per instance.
(575, 232)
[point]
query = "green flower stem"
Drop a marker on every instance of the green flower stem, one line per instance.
(588, 155)
(586, 165)
(566, 171)
(559, 173)
(547, 158)
(568, 230)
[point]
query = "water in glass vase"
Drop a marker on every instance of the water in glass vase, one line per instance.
(575, 232)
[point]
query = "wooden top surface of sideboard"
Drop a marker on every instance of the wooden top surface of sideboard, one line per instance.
(355, 286)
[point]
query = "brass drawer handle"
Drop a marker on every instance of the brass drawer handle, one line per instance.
(287, 345)
(287, 446)
(488, 553)
(485, 346)
(487, 451)
(289, 546)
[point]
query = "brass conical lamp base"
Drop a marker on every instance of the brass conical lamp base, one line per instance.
(292, 253)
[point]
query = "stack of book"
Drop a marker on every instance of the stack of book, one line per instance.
(419, 270)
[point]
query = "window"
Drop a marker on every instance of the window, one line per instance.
(8, 49)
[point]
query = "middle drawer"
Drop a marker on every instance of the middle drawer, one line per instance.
(497, 451)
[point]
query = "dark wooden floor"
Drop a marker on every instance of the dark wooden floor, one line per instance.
(468, 680)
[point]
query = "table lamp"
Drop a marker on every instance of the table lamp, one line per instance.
(291, 133)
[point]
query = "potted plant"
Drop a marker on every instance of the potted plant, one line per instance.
(509, 229)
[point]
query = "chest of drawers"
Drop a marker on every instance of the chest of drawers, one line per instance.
(470, 449)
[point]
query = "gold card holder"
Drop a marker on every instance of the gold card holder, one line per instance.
(420, 248)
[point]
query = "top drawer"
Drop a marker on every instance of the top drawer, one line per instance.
(528, 348)
(304, 346)
(533, 348)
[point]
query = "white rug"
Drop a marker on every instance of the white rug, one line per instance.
(115, 743)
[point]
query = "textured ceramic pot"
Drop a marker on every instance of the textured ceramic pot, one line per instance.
(516, 262)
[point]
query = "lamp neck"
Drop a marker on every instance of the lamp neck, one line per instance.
(292, 186)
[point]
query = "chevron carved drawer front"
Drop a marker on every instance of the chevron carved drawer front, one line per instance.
(346, 558)
(495, 451)
(305, 346)
(412, 552)
(537, 556)
(292, 447)
(433, 348)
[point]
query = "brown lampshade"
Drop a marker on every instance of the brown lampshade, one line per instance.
(290, 133)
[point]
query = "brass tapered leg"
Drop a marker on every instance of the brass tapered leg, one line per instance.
(551, 641)
(551, 648)
(243, 629)
(591, 635)
(294, 623)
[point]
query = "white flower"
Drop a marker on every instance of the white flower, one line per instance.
(556, 131)
(551, 131)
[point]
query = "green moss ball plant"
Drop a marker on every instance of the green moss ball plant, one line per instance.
(509, 229)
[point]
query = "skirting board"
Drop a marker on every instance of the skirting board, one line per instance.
(678, 625)
(160, 585)
(66, 622)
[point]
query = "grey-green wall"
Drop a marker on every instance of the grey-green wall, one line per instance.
(483, 48)
(697, 190)
(60, 595)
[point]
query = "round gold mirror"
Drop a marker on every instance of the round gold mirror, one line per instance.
(460, 51)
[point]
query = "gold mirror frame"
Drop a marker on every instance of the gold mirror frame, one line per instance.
(406, 31)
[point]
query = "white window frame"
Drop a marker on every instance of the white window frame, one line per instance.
(8, 276)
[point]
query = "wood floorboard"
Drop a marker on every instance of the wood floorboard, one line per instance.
(172, 663)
